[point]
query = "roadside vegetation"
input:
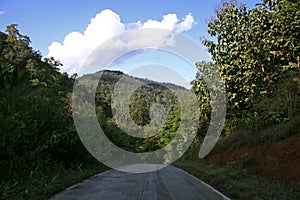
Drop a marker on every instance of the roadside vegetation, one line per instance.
(239, 179)
(257, 53)
(40, 152)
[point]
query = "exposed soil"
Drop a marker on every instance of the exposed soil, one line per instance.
(280, 159)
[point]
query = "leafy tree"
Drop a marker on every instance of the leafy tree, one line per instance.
(248, 50)
(35, 116)
(257, 53)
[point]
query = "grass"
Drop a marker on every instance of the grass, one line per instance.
(268, 135)
(238, 180)
(241, 179)
(46, 180)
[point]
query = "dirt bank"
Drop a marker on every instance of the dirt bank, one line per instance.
(280, 159)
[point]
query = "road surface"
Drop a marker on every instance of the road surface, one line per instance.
(167, 183)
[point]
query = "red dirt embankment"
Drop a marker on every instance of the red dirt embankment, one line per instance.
(280, 159)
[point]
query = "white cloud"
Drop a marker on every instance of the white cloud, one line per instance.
(134, 25)
(169, 21)
(76, 46)
(2, 12)
(186, 25)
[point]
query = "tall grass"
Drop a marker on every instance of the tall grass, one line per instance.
(238, 180)
(47, 179)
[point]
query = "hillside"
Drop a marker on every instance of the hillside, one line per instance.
(147, 94)
(245, 167)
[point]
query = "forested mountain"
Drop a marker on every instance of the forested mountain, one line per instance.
(140, 104)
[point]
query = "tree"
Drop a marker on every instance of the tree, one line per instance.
(14, 34)
(36, 124)
(257, 54)
(254, 47)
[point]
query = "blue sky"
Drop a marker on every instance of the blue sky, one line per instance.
(48, 21)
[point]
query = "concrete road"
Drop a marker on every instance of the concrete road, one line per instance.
(167, 183)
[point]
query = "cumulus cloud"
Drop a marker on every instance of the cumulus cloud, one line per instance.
(186, 24)
(77, 46)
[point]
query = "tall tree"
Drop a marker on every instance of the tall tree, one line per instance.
(254, 47)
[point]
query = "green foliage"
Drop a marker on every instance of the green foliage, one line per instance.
(140, 104)
(284, 102)
(203, 95)
(37, 135)
(257, 53)
(46, 179)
